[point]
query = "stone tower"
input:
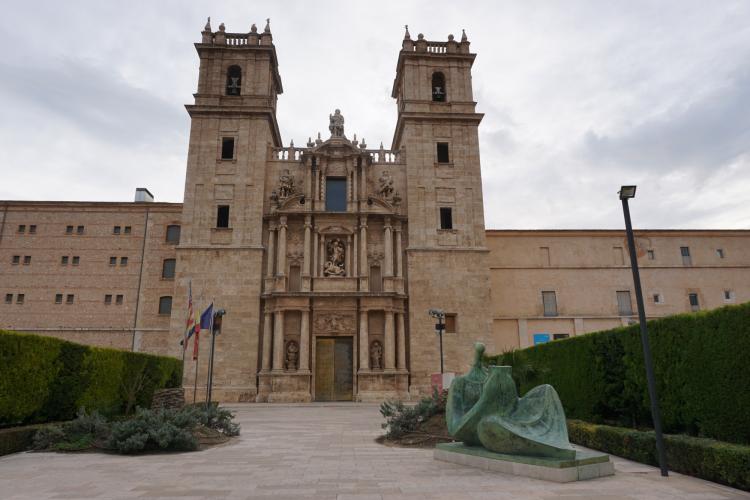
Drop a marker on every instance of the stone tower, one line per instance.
(447, 266)
(221, 252)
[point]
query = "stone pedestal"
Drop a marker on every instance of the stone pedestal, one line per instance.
(284, 387)
(377, 386)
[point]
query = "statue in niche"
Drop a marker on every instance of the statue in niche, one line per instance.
(292, 355)
(386, 184)
(335, 253)
(286, 185)
(376, 355)
(336, 125)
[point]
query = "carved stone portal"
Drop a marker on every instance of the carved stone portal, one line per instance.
(376, 355)
(335, 264)
(292, 355)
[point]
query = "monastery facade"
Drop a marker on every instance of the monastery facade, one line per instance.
(327, 257)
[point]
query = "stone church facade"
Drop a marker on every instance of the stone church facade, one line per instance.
(327, 257)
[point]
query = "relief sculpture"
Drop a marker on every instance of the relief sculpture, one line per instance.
(386, 184)
(334, 323)
(286, 185)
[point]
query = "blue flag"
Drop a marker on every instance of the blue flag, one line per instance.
(207, 317)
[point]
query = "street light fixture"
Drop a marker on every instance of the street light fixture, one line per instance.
(627, 192)
(439, 314)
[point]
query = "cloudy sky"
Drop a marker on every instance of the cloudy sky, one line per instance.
(579, 98)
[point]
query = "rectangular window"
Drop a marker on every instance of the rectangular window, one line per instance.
(685, 253)
(123, 261)
(32, 229)
(442, 152)
(26, 260)
(624, 306)
(58, 298)
(113, 261)
(295, 278)
(376, 279)
(651, 255)
(618, 256)
(720, 253)
(728, 295)
(22, 228)
(173, 234)
(544, 254)
(64, 260)
(8, 298)
(16, 259)
(108, 299)
(657, 298)
(119, 299)
(76, 260)
(227, 148)
(79, 229)
(69, 230)
(167, 269)
(128, 229)
(336, 194)
(116, 230)
(450, 323)
(549, 301)
(693, 298)
(222, 216)
(165, 305)
(560, 336)
(446, 218)
(20, 298)
(70, 298)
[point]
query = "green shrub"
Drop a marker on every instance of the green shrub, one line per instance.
(162, 429)
(402, 419)
(47, 437)
(716, 461)
(45, 379)
(698, 360)
(218, 418)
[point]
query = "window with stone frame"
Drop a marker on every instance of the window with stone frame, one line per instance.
(451, 325)
(70, 298)
(68, 229)
(336, 194)
(222, 216)
(64, 260)
(624, 304)
(32, 229)
(376, 279)
(108, 299)
(694, 304)
(58, 298)
(119, 299)
(16, 260)
(8, 298)
(127, 229)
(116, 230)
(438, 87)
(227, 148)
(20, 298)
(80, 229)
(26, 260)
(173, 234)
(76, 260)
(165, 305)
(549, 301)
(443, 152)
(234, 80)
(446, 218)
(295, 278)
(21, 228)
(168, 269)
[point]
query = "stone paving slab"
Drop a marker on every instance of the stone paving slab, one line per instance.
(321, 451)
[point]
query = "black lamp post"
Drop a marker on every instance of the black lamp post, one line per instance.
(439, 329)
(627, 192)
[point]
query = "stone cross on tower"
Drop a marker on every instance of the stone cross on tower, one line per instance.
(336, 125)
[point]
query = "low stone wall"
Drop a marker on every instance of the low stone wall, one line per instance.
(168, 398)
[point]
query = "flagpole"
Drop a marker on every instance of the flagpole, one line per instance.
(209, 380)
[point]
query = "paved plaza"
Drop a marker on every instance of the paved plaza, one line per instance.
(314, 451)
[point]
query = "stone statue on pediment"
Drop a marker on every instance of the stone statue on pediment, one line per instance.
(335, 254)
(292, 355)
(286, 185)
(376, 356)
(336, 125)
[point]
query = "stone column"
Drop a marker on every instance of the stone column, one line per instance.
(355, 251)
(267, 339)
(278, 341)
(364, 269)
(364, 342)
(321, 254)
(304, 342)
(315, 254)
(389, 342)
(271, 251)
(399, 254)
(349, 255)
(401, 341)
(281, 271)
(355, 180)
(388, 244)
(306, 261)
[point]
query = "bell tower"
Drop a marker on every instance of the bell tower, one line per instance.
(233, 128)
(446, 258)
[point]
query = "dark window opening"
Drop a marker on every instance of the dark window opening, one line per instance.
(20, 298)
(22, 228)
(26, 260)
(123, 261)
(450, 323)
(173, 234)
(107, 299)
(222, 216)
(549, 300)
(685, 253)
(438, 87)
(32, 229)
(113, 261)
(651, 255)
(167, 269)
(79, 230)
(116, 230)
(128, 229)
(165, 305)
(69, 230)
(76, 260)
(16, 259)
(58, 298)
(560, 336)
(442, 152)
(64, 260)
(227, 148)
(234, 80)
(727, 295)
(694, 305)
(336, 194)
(446, 218)
(8, 298)
(70, 298)
(119, 299)
(719, 252)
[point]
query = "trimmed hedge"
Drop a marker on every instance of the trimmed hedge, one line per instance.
(701, 365)
(45, 379)
(716, 461)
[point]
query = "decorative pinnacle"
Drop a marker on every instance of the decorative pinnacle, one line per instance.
(267, 29)
(450, 37)
(291, 143)
(381, 144)
(253, 28)
(222, 28)
(420, 36)
(463, 36)
(208, 25)
(407, 36)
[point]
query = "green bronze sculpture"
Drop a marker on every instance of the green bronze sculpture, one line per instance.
(484, 409)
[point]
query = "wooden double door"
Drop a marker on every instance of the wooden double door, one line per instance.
(334, 369)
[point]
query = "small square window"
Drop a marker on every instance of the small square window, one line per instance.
(222, 216)
(720, 253)
(32, 229)
(64, 260)
(16, 259)
(118, 300)
(123, 261)
(76, 260)
(8, 298)
(728, 295)
(58, 298)
(20, 298)
(128, 229)
(113, 261)
(68, 229)
(227, 148)
(560, 336)
(79, 229)
(26, 260)
(446, 218)
(165, 305)
(651, 255)
(116, 230)
(442, 152)
(70, 298)
(22, 228)
(108, 299)
(657, 298)
(450, 323)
